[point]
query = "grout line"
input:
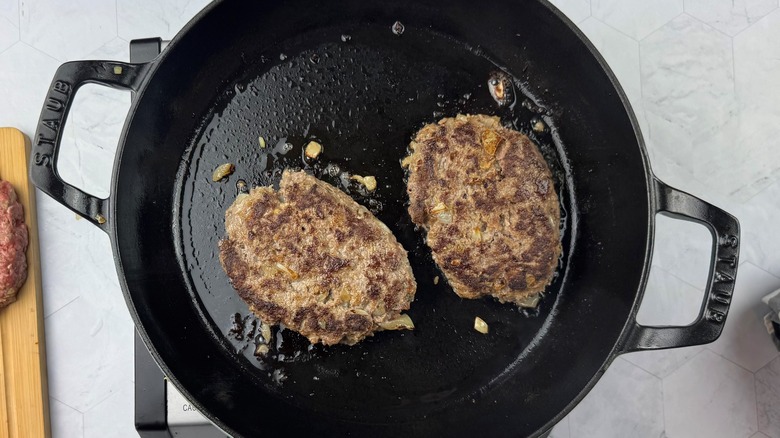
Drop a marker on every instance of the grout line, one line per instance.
(18, 31)
(761, 269)
(41, 51)
(659, 27)
(726, 358)
(773, 181)
(642, 94)
(755, 393)
(685, 362)
(709, 25)
(671, 372)
(111, 393)
(747, 201)
(9, 47)
(116, 15)
(699, 288)
(615, 29)
(643, 369)
(640, 368)
(734, 76)
(62, 307)
(663, 408)
(756, 22)
(77, 410)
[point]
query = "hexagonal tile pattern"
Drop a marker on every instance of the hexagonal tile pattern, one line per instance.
(113, 417)
(636, 18)
(65, 421)
(729, 16)
(67, 30)
(92, 349)
(710, 397)
(755, 64)
(711, 122)
(25, 75)
(751, 132)
(768, 398)
(576, 10)
(744, 339)
(152, 18)
(627, 401)
(689, 103)
(755, 130)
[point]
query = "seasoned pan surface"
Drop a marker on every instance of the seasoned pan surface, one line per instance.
(361, 94)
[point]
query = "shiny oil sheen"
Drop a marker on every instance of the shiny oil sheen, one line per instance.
(363, 97)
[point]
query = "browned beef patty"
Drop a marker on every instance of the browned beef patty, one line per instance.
(487, 200)
(312, 258)
(13, 245)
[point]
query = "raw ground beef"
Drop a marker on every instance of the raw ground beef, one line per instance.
(13, 245)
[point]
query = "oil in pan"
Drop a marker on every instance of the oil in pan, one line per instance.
(362, 102)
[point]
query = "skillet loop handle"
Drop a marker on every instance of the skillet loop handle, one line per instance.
(48, 137)
(720, 283)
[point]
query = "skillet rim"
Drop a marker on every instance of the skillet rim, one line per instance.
(113, 230)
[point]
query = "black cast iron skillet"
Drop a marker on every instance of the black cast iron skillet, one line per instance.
(342, 73)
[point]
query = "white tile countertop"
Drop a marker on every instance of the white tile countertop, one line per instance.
(702, 76)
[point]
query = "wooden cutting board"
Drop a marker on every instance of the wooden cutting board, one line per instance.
(24, 398)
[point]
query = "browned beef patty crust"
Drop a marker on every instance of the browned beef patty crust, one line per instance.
(487, 200)
(312, 258)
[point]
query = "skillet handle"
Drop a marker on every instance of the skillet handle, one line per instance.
(48, 137)
(720, 284)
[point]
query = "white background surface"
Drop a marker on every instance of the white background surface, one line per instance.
(702, 76)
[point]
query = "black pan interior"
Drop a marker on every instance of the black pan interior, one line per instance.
(361, 94)
(348, 78)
